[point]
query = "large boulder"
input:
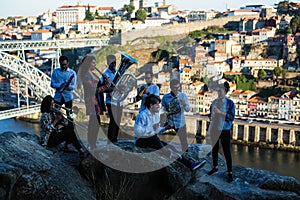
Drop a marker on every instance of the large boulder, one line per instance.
(29, 171)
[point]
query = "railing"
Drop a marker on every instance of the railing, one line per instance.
(16, 112)
(46, 44)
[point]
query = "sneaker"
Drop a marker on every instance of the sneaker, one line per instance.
(197, 165)
(212, 171)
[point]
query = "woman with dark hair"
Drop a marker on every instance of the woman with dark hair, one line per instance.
(50, 133)
(222, 112)
(94, 107)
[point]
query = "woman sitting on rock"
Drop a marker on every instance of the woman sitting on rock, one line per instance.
(50, 133)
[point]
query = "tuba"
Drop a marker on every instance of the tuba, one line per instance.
(128, 80)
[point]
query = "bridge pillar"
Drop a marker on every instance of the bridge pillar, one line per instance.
(191, 125)
(235, 131)
(280, 136)
(292, 138)
(268, 134)
(257, 134)
(203, 127)
(246, 133)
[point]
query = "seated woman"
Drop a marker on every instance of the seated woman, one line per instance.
(50, 133)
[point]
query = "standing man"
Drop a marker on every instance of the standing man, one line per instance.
(175, 104)
(222, 111)
(149, 88)
(114, 108)
(63, 80)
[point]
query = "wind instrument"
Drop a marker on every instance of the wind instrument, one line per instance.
(66, 84)
(128, 81)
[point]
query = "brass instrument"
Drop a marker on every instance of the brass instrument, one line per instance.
(174, 108)
(68, 117)
(141, 91)
(70, 113)
(128, 81)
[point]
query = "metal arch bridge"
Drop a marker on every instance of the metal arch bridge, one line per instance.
(52, 44)
(39, 81)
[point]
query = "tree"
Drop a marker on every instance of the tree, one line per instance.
(129, 9)
(261, 74)
(141, 14)
(295, 24)
(88, 14)
(284, 73)
(277, 71)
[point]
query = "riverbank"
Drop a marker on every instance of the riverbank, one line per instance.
(274, 146)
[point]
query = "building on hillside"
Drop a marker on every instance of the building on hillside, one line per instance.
(257, 107)
(225, 46)
(273, 107)
(105, 11)
(242, 12)
(216, 69)
(151, 21)
(41, 35)
(204, 101)
(240, 99)
(253, 65)
(67, 15)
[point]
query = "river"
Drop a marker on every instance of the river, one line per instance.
(281, 162)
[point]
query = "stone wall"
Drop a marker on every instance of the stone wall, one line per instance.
(176, 29)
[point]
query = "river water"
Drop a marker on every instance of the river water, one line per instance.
(281, 162)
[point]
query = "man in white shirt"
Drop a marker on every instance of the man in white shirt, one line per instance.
(147, 127)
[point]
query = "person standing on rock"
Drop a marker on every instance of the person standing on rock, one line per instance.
(222, 112)
(147, 127)
(94, 104)
(63, 80)
(175, 104)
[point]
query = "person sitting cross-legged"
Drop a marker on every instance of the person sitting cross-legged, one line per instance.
(147, 127)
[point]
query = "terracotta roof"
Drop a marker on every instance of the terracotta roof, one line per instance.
(105, 8)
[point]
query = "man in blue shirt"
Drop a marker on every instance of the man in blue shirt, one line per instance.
(222, 111)
(114, 108)
(175, 104)
(150, 88)
(63, 80)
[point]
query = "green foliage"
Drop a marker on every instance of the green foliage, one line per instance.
(277, 71)
(88, 15)
(141, 14)
(295, 24)
(244, 83)
(283, 8)
(129, 9)
(208, 32)
(197, 34)
(261, 74)
(160, 54)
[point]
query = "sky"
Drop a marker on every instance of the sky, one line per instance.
(37, 7)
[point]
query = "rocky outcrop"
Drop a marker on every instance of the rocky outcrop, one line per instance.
(29, 171)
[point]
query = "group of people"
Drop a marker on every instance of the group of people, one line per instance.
(98, 99)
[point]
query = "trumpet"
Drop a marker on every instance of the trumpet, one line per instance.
(71, 113)
(69, 117)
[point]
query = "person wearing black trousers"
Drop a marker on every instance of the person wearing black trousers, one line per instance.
(222, 113)
(51, 134)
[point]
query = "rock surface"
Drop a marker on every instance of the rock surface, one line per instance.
(29, 171)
